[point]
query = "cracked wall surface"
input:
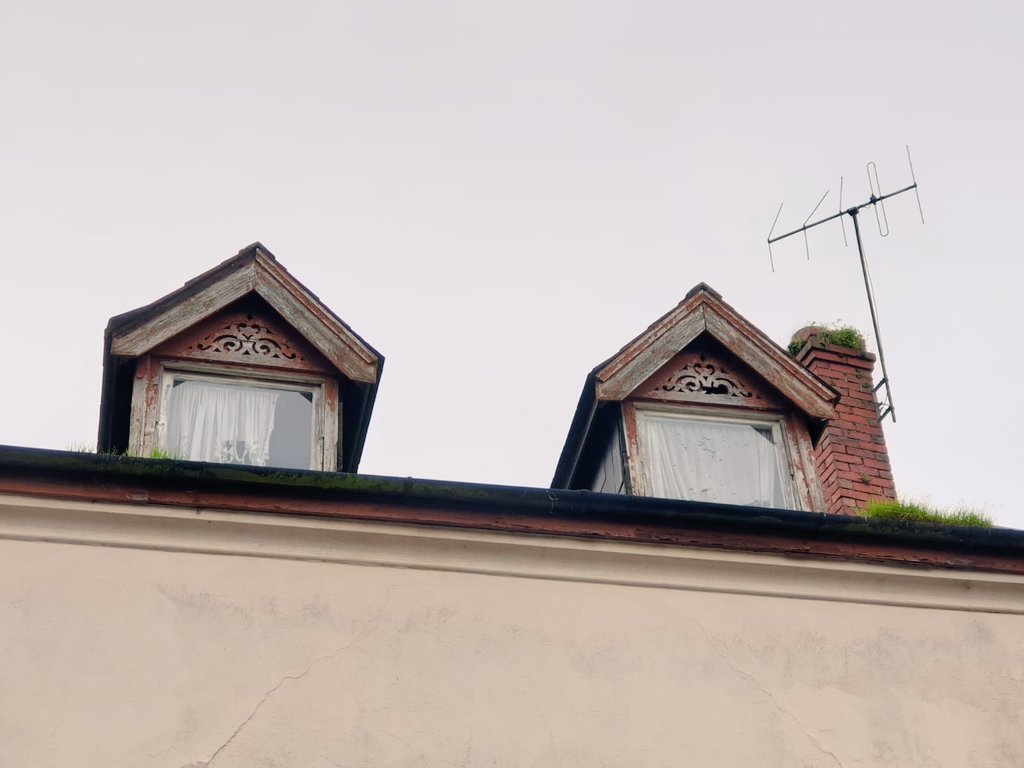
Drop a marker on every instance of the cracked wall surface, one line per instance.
(113, 656)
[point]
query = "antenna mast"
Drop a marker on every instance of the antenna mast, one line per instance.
(876, 201)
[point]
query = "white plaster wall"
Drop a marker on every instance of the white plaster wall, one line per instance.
(114, 656)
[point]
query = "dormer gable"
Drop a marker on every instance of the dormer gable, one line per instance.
(254, 270)
(704, 312)
(242, 364)
(703, 406)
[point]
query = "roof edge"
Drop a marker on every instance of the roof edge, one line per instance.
(525, 510)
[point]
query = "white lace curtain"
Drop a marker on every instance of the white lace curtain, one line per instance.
(230, 424)
(712, 461)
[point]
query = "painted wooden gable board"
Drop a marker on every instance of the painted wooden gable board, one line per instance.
(702, 312)
(270, 281)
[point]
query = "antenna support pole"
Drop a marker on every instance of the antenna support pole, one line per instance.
(876, 201)
(887, 408)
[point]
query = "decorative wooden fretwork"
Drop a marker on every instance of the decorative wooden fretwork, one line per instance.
(705, 376)
(247, 338)
(258, 339)
(708, 377)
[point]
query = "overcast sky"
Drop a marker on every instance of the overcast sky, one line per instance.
(497, 196)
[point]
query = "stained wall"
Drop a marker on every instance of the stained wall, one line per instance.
(174, 638)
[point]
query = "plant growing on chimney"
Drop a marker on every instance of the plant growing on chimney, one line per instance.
(832, 334)
(907, 510)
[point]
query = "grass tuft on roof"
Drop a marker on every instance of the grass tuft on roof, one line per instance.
(912, 511)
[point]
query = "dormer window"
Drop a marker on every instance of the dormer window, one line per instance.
(702, 406)
(242, 365)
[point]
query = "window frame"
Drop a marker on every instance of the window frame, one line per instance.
(170, 375)
(790, 448)
(156, 377)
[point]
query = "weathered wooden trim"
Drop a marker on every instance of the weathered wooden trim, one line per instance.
(652, 350)
(731, 317)
(795, 383)
(140, 407)
(196, 308)
(322, 330)
(330, 446)
(145, 408)
(805, 478)
(151, 427)
(269, 280)
(641, 343)
(616, 381)
(634, 460)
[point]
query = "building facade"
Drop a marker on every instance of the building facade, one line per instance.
(218, 613)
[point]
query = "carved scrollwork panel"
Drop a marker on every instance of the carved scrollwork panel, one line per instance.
(699, 377)
(247, 338)
(706, 377)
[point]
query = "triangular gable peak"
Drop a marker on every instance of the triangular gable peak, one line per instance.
(253, 271)
(636, 367)
(247, 332)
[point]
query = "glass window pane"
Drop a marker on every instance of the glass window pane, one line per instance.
(707, 460)
(236, 423)
(293, 431)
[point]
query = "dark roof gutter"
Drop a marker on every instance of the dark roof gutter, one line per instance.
(524, 510)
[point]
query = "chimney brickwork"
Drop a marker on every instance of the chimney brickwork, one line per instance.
(851, 457)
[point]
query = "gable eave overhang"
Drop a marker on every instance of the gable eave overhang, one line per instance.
(579, 429)
(703, 311)
(253, 270)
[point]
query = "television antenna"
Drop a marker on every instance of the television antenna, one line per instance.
(876, 201)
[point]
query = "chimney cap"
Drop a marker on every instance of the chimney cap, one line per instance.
(833, 336)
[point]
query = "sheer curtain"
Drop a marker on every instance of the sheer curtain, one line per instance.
(225, 423)
(712, 461)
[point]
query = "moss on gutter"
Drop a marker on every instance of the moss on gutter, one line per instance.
(182, 473)
(55, 468)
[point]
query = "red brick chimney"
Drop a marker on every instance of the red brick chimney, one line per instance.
(851, 457)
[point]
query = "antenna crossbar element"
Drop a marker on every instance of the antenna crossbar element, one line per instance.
(886, 407)
(848, 212)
